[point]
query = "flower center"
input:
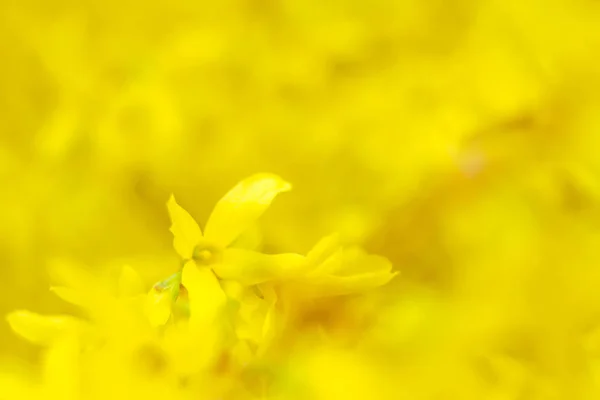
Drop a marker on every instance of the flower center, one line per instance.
(206, 255)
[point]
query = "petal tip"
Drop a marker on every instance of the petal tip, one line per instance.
(277, 183)
(394, 274)
(12, 316)
(285, 186)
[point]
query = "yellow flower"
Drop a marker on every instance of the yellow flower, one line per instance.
(234, 214)
(117, 352)
(330, 269)
(110, 313)
(211, 251)
(335, 270)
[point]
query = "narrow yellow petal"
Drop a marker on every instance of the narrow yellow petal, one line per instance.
(268, 326)
(345, 271)
(158, 307)
(161, 298)
(269, 329)
(242, 206)
(251, 268)
(330, 265)
(73, 275)
(344, 285)
(79, 286)
(186, 232)
(41, 329)
(324, 249)
(233, 289)
(251, 239)
(206, 296)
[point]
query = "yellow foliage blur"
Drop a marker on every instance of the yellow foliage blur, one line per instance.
(458, 139)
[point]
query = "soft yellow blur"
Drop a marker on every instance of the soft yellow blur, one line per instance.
(460, 140)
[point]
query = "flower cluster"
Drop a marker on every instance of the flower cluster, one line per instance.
(207, 330)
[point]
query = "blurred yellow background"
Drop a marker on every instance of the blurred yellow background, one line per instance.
(460, 139)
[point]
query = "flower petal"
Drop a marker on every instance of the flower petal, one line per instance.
(160, 300)
(346, 271)
(158, 307)
(242, 206)
(186, 232)
(269, 328)
(41, 329)
(206, 296)
(343, 285)
(251, 239)
(324, 249)
(75, 276)
(251, 267)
